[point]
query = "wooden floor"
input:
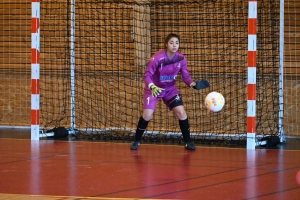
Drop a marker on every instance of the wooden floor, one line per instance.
(56, 169)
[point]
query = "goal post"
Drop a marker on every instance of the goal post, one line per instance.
(281, 73)
(35, 70)
(95, 52)
(72, 66)
(251, 88)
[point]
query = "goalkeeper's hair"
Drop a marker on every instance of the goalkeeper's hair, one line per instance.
(171, 35)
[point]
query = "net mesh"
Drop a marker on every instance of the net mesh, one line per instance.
(113, 41)
(291, 68)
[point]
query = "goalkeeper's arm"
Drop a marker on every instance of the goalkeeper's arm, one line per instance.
(200, 84)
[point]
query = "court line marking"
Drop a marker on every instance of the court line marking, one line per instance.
(4, 196)
(173, 145)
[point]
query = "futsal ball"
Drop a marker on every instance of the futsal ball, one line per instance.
(214, 101)
(298, 177)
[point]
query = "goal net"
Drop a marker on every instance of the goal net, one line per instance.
(94, 53)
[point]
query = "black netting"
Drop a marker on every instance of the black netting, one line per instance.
(113, 41)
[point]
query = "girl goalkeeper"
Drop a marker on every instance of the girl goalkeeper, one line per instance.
(160, 83)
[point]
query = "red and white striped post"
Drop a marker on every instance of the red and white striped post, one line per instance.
(251, 99)
(35, 69)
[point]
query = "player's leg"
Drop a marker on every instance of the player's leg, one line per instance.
(176, 105)
(141, 127)
(149, 107)
(179, 111)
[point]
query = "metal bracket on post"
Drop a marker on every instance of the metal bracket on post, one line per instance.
(43, 134)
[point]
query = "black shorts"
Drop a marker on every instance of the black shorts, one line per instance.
(175, 101)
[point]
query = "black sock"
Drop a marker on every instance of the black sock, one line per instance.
(141, 127)
(185, 129)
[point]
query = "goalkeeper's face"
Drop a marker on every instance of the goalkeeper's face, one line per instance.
(173, 45)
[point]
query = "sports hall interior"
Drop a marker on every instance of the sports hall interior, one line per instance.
(89, 168)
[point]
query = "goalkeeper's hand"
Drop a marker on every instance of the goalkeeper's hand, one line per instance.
(201, 84)
(156, 90)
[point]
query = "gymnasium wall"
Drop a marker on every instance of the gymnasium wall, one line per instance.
(15, 66)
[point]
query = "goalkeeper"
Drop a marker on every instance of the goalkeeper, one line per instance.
(160, 83)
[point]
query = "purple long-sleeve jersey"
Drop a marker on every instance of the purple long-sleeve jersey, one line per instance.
(162, 70)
